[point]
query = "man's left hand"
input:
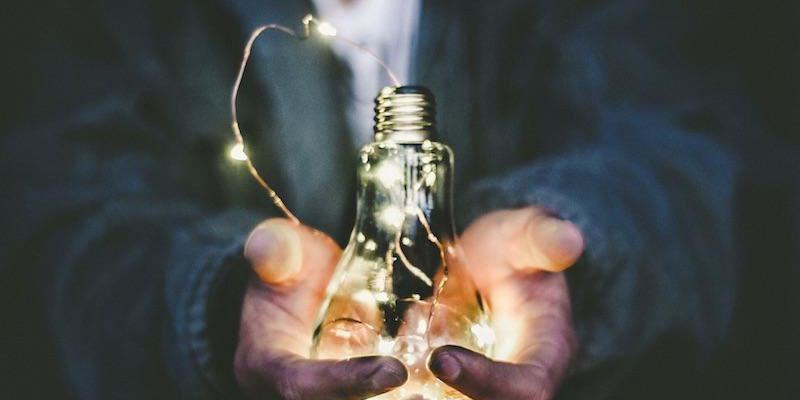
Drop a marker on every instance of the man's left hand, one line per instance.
(516, 258)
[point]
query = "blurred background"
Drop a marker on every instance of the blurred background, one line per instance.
(762, 40)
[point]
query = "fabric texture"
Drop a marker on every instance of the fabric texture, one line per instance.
(133, 218)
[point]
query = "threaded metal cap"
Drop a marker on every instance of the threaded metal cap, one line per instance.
(405, 114)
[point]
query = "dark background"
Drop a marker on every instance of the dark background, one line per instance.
(762, 39)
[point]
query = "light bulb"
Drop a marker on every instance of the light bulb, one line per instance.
(392, 292)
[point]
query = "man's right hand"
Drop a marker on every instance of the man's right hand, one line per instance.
(293, 265)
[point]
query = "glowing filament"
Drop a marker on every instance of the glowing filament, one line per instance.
(237, 152)
(363, 296)
(382, 297)
(393, 216)
(422, 327)
(388, 174)
(385, 345)
(430, 179)
(326, 29)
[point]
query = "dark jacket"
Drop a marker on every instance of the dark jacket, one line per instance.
(130, 219)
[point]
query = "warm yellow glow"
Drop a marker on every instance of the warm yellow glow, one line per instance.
(430, 179)
(409, 358)
(379, 281)
(422, 326)
(382, 297)
(363, 296)
(484, 335)
(429, 176)
(237, 152)
(393, 216)
(388, 174)
(509, 328)
(342, 333)
(385, 345)
(326, 29)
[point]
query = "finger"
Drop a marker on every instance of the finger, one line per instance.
(279, 249)
(531, 238)
(354, 378)
(554, 244)
(274, 251)
(481, 378)
(532, 316)
(280, 307)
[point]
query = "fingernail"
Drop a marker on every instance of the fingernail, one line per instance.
(274, 251)
(389, 375)
(445, 366)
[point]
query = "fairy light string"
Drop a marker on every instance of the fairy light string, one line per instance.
(238, 152)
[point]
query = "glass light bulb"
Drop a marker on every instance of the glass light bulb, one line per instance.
(392, 293)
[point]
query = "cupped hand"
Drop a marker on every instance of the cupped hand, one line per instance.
(292, 265)
(516, 258)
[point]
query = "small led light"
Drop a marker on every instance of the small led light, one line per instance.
(430, 179)
(382, 297)
(393, 216)
(326, 29)
(237, 152)
(363, 296)
(422, 326)
(409, 358)
(385, 345)
(342, 333)
(388, 174)
(484, 335)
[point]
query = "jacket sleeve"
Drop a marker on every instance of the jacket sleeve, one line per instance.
(127, 217)
(652, 191)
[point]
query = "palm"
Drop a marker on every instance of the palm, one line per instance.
(277, 319)
(517, 267)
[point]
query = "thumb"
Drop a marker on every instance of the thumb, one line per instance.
(482, 378)
(280, 251)
(529, 238)
(352, 378)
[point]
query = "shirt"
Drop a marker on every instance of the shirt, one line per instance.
(387, 28)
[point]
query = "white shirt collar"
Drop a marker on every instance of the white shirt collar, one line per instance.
(389, 29)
